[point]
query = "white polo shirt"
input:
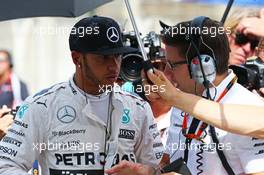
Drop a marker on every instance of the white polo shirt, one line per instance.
(244, 154)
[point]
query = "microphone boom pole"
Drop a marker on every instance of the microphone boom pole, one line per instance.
(147, 63)
(228, 7)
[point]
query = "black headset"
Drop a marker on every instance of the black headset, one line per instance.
(202, 68)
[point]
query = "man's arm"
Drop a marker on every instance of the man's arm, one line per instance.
(262, 173)
(229, 117)
(131, 168)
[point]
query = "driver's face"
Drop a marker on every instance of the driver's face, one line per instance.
(104, 69)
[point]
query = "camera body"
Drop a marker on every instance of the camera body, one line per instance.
(250, 75)
(132, 63)
(257, 65)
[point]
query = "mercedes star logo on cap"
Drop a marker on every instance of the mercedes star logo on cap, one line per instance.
(112, 34)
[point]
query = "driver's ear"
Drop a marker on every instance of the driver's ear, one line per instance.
(76, 58)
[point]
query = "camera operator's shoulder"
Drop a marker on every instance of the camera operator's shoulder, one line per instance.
(47, 96)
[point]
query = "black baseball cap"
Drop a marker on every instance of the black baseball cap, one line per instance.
(98, 35)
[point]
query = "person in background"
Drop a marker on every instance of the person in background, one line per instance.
(12, 90)
(246, 26)
(242, 31)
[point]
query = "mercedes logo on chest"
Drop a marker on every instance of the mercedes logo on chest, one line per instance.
(66, 114)
(112, 34)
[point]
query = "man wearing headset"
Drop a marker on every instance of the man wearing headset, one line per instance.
(210, 150)
(87, 124)
(242, 154)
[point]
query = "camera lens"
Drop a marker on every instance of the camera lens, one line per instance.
(131, 67)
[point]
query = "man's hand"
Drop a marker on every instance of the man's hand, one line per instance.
(166, 91)
(149, 94)
(5, 121)
(130, 168)
(251, 26)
